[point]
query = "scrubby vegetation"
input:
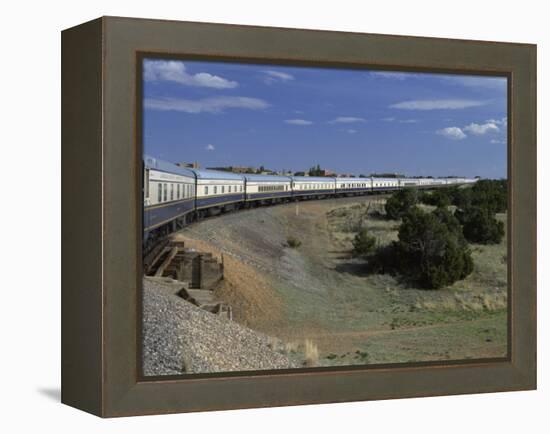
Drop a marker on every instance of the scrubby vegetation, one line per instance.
(363, 244)
(490, 194)
(439, 198)
(486, 193)
(293, 243)
(431, 251)
(400, 202)
(480, 225)
(432, 248)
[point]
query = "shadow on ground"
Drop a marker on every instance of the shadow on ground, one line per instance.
(52, 393)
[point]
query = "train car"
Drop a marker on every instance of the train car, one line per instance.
(168, 194)
(267, 188)
(385, 184)
(425, 183)
(353, 186)
(312, 186)
(408, 182)
(438, 182)
(218, 191)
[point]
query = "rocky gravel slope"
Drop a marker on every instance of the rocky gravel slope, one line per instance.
(180, 338)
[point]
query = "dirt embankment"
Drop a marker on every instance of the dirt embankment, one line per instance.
(316, 292)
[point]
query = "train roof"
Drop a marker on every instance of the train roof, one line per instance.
(345, 180)
(164, 166)
(217, 174)
(313, 178)
(265, 178)
(386, 179)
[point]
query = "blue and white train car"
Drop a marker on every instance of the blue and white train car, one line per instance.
(312, 186)
(438, 182)
(353, 185)
(168, 193)
(267, 188)
(218, 191)
(425, 182)
(385, 184)
(408, 182)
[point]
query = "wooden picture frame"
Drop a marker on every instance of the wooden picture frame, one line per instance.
(101, 227)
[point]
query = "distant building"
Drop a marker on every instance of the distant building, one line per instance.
(326, 172)
(234, 169)
(301, 174)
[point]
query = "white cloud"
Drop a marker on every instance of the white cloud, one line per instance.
(498, 141)
(437, 104)
(172, 70)
(351, 131)
(390, 119)
(210, 147)
(480, 129)
(206, 105)
(477, 81)
(275, 76)
(501, 122)
(302, 122)
(395, 75)
(346, 120)
(453, 133)
(408, 121)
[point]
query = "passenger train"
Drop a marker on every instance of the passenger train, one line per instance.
(173, 196)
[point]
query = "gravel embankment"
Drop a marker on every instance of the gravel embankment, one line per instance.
(182, 338)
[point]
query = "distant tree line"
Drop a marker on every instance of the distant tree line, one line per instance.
(387, 175)
(432, 248)
(316, 171)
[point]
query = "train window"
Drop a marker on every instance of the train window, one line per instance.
(223, 188)
(160, 193)
(178, 191)
(206, 190)
(215, 189)
(229, 189)
(165, 196)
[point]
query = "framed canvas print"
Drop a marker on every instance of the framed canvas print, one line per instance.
(262, 216)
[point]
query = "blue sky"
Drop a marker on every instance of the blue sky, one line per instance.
(353, 121)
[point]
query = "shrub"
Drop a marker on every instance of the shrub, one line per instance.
(293, 242)
(480, 225)
(439, 198)
(363, 243)
(383, 261)
(491, 194)
(460, 197)
(431, 250)
(400, 202)
(448, 218)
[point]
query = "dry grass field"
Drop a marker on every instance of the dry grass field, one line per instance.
(316, 299)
